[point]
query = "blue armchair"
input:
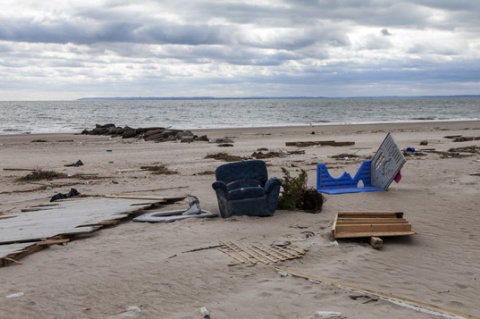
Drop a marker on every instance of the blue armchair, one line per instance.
(243, 188)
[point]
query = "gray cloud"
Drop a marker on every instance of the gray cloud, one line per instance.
(299, 47)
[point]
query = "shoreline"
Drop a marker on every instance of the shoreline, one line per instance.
(326, 128)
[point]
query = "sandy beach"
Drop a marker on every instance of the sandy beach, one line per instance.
(167, 270)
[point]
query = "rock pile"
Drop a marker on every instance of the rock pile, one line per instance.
(156, 134)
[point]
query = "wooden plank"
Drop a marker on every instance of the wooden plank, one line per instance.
(321, 143)
(375, 234)
(370, 228)
(334, 226)
(346, 221)
(49, 242)
(308, 143)
(360, 214)
(156, 198)
(7, 217)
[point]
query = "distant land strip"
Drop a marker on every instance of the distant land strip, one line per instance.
(153, 98)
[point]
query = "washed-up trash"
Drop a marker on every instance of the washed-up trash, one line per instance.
(205, 313)
(76, 164)
(193, 211)
(18, 294)
(71, 193)
(327, 314)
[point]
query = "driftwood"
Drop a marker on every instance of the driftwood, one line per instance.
(201, 248)
(319, 143)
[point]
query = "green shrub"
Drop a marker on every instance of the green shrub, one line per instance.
(292, 190)
(296, 195)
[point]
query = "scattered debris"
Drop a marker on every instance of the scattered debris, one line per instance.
(253, 253)
(63, 220)
(71, 193)
(15, 295)
(466, 138)
(466, 149)
(370, 224)
(38, 175)
(193, 211)
(201, 248)
(328, 314)
(159, 170)
(76, 164)
(345, 156)
(225, 157)
(459, 152)
(424, 142)
(368, 298)
(376, 242)
(261, 155)
(388, 297)
(205, 173)
(319, 143)
(205, 313)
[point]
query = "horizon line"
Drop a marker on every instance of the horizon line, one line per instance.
(273, 97)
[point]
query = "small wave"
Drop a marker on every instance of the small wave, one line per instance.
(423, 118)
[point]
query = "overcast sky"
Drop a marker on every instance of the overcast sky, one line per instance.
(65, 49)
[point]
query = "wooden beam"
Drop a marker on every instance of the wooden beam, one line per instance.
(360, 214)
(373, 228)
(49, 242)
(345, 221)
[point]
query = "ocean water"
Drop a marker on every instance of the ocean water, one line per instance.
(75, 116)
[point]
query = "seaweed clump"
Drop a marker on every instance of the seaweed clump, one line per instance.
(159, 170)
(225, 157)
(40, 175)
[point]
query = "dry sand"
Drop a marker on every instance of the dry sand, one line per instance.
(145, 267)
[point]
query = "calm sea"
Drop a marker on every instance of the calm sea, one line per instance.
(74, 116)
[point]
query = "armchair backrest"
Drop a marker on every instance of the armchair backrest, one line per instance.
(248, 170)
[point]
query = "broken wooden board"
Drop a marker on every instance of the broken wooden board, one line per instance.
(67, 218)
(370, 224)
(320, 143)
(253, 253)
(159, 199)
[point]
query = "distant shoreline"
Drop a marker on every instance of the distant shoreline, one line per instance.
(270, 98)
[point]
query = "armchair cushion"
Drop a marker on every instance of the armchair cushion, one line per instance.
(243, 183)
(246, 192)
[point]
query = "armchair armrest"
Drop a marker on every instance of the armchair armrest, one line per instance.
(220, 186)
(272, 184)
